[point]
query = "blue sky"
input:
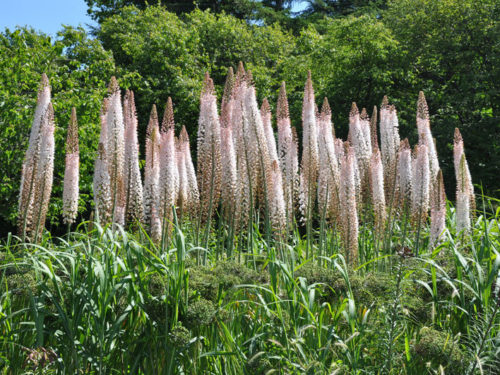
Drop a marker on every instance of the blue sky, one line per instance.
(48, 15)
(43, 15)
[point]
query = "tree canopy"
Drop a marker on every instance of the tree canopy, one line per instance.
(243, 9)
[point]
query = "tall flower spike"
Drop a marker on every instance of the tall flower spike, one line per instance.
(438, 212)
(373, 128)
(295, 157)
(404, 173)
(31, 160)
(359, 132)
(182, 193)
(103, 135)
(377, 189)
(115, 151)
(227, 103)
(389, 141)
(134, 205)
(238, 121)
(348, 207)
(420, 184)
(265, 113)
(310, 159)
(425, 137)
(168, 121)
(169, 175)
(357, 177)
(209, 156)
(339, 150)
(463, 198)
(101, 182)
(44, 172)
(386, 135)
(193, 196)
(287, 153)
(102, 188)
(230, 192)
(152, 177)
(236, 107)
(364, 121)
(458, 151)
(240, 72)
(329, 175)
(277, 212)
(246, 180)
(259, 159)
(42, 104)
(249, 78)
(71, 172)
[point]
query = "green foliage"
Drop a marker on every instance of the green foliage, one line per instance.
(435, 348)
(337, 8)
(78, 69)
(106, 300)
(209, 283)
(245, 9)
(159, 55)
(200, 313)
(347, 64)
(451, 52)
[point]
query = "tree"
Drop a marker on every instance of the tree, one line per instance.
(451, 52)
(347, 63)
(244, 9)
(336, 8)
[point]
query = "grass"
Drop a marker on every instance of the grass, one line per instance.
(109, 301)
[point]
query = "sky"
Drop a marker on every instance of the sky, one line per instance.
(43, 15)
(49, 15)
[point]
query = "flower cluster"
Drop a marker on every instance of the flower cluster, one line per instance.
(245, 169)
(38, 167)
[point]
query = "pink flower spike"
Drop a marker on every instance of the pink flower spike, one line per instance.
(348, 207)
(27, 190)
(287, 153)
(404, 172)
(209, 146)
(310, 159)
(115, 151)
(71, 173)
(152, 177)
(329, 175)
(169, 175)
(134, 205)
(265, 113)
(420, 184)
(425, 137)
(377, 189)
(438, 212)
(458, 152)
(276, 200)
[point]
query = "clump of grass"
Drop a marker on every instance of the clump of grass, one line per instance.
(106, 300)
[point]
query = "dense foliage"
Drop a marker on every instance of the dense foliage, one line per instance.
(449, 49)
(252, 264)
(104, 301)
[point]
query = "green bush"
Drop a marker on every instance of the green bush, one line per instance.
(435, 348)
